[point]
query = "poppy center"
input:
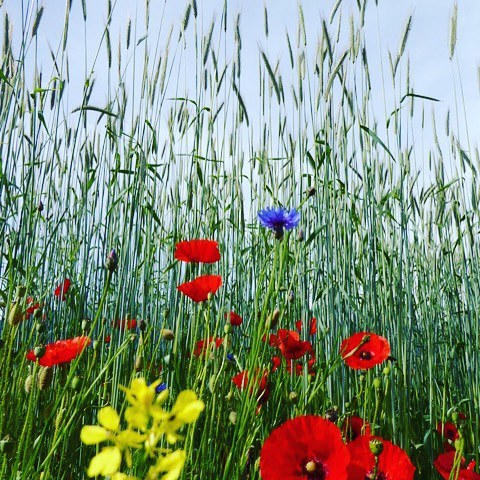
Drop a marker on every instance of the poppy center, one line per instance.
(314, 470)
(379, 476)
(366, 355)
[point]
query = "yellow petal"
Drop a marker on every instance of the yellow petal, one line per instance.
(191, 411)
(93, 434)
(130, 438)
(136, 417)
(108, 418)
(172, 464)
(122, 476)
(107, 462)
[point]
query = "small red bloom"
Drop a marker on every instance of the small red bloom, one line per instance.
(235, 318)
(107, 339)
(62, 290)
(448, 430)
(353, 427)
(202, 345)
(312, 326)
(126, 324)
(199, 289)
(290, 345)
(364, 350)
(205, 251)
(61, 351)
(32, 306)
(393, 462)
(261, 391)
(305, 448)
(444, 464)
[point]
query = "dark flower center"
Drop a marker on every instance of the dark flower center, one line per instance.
(314, 469)
(366, 355)
(379, 476)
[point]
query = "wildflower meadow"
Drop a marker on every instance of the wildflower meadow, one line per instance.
(230, 255)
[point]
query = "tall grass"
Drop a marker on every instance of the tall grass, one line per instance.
(140, 163)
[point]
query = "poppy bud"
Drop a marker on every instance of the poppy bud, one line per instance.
(376, 447)
(142, 325)
(96, 345)
(332, 414)
(293, 397)
(84, 324)
(300, 236)
(311, 192)
(229, 396)
(39, 351)
(44, 377)
(386, 371)
(377, 382)
(40, 206)
(39, 327)
(111, 263)
(15, 315)
(233, 418)
(139, 363)
(227, 328)
(75, 384)
(167, 334)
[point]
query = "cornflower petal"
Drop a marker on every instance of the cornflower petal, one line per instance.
(106, 462)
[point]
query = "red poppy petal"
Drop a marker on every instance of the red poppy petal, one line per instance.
(374, 350)
(199, 288)
(205, 251)
(61, 351)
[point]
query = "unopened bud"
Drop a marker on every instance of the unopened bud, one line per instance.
(85, 324)
(332, 414)
(111, 263)
(139, 363)
(96, 345)
(311, 192)
(15, 315)
(233, 418)
(227, 328)
(377, 382)
(300, 236)
(40, 206)
(167, 334)
(75, 383)
(142, 325)
(293, 397)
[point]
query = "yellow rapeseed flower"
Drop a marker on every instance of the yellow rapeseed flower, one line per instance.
(172, 464)
(108, 460)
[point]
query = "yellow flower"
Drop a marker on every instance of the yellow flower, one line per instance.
(171, 463)
(108, 460)
(143, 403)
(187, 408)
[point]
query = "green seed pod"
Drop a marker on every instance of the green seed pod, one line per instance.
(377, 382)
(44, 377)
(376, 447)
(39, 351)
(76, 384)
(227, 328)
(386, 371)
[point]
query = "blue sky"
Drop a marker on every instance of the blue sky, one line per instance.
(433, 73)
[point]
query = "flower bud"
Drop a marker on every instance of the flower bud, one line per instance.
(75, 383)
(311, 192)
(139, 363)
(40, 206)
(96, 345)
(386, 371)
(300, 236)
(15, 315)
(85, 324)
(233, 417)
(142, 325)
(376, 447)
(293, 397)
(167, 334)
(111, 263)
(377, 383)
(227, 328)
(332, 414)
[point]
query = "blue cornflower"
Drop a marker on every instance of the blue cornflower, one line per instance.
(278, 219)
(231, 357)
(159, 388)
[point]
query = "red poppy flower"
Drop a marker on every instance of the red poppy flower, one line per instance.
(298, 366)
(125, 324)
(32, 306)
(62, 351)
(202, 345)
(62, 289)
(444, 464)
(235, 318)
(205, 251)
(353, 427)
(290, 345)
(305, 448)
(199, 289)
(364, 350)
(312, 326)
(259, 388)
(393, 462)
(448, 430)
(107, 339)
